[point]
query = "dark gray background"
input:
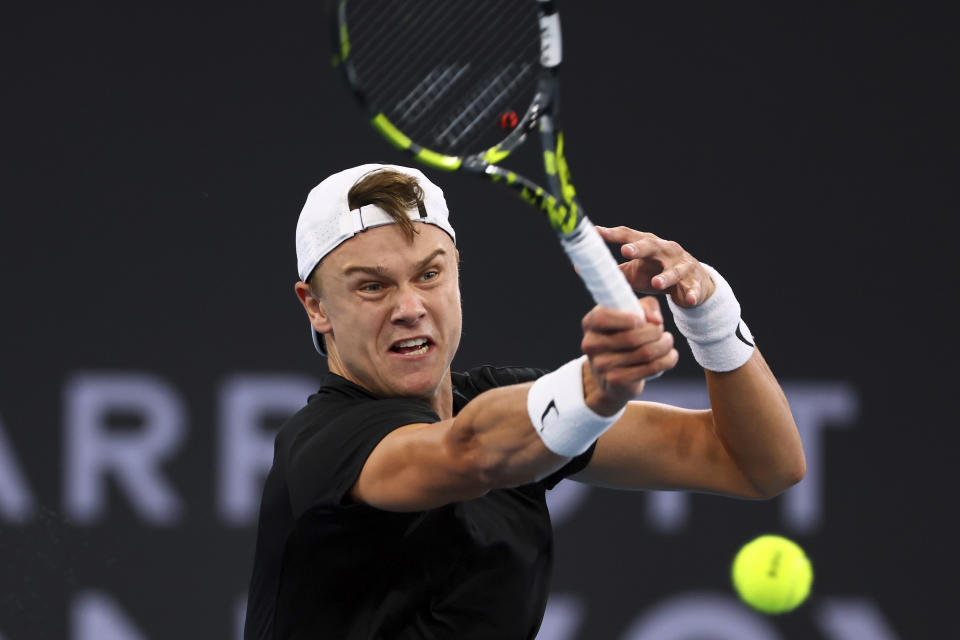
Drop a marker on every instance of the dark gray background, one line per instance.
(155, 159)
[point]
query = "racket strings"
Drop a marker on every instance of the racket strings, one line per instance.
(390, 37)
(443, 71)
(389, 65)
(494, 90)
(387, 61)
(484, 104)
(435, 86)
(442, 79)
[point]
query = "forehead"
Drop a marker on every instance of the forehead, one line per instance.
(386, 247)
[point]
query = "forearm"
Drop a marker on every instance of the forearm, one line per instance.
(752, 419)
(523, 433)
(495, 435)
(492, 443)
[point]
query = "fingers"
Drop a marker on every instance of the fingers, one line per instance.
(683, 275)
(658, 265)
(651, 309)
(618, 234)
(638, 244)
(634, 244)
(624, 366)
(634, 375)
(607, 320)
(625, 350)
(595, 343)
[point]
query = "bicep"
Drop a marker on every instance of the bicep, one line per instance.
(656, 446)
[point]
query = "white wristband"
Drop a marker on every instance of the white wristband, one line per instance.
(559, 415)
(718, 338)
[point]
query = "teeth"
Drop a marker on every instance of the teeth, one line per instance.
(412, 343)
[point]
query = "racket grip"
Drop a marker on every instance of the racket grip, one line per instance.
(599, 271)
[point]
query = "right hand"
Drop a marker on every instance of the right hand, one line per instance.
(623, 351)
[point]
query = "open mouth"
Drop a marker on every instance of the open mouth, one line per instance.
(412, 347)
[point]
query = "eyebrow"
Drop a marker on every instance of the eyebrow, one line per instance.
(380, 271)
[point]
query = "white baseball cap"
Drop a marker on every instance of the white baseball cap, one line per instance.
(326, 220)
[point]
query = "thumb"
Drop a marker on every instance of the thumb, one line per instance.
(651, 308)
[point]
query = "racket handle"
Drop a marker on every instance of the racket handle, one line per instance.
(598, 269)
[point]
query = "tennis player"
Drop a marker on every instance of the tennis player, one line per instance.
(407, 501)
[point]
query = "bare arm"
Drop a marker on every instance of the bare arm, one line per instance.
(746, 445)
(491, 443)
(752, 419)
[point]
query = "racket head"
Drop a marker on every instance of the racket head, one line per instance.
(456, 84)
(436, 76)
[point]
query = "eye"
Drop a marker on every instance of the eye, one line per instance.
(371, 287)
(430, 275)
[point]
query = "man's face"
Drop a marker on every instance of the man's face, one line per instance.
(393, 308)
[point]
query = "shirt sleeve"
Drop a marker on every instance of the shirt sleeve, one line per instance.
(576, 465)
(475, 381)
(323, 461)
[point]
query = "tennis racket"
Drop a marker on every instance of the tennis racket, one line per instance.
(459, 85)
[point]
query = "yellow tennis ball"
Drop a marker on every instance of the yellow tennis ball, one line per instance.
(772, 574)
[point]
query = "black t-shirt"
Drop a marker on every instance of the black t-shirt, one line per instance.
(326, 567)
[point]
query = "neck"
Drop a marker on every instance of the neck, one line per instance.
(442, 400)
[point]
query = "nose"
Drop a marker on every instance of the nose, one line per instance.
(409, 306)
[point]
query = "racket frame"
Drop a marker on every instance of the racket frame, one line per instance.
(582, 243)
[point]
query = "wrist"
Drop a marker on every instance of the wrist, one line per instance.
(718, 337)
(556, 404)
(598, 399)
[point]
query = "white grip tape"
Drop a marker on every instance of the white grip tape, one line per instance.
(559, 415)
(599, 271)
(551, 47)
(718, 337)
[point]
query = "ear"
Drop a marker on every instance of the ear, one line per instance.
(314, 307)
